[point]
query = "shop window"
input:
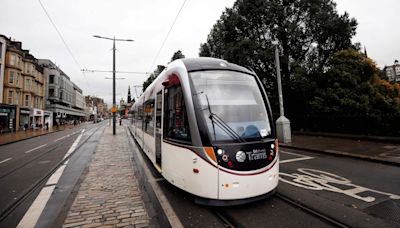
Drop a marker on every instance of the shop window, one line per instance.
(176, 124)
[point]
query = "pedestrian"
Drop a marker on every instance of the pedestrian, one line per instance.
(120, 121)
(47, 126)
(26, 126)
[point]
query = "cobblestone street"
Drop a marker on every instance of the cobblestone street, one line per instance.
(109, 195)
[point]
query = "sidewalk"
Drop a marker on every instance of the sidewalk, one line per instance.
(109, 195)
(364, 149)
(7, 138)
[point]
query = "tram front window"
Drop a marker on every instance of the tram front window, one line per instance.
(234, 98)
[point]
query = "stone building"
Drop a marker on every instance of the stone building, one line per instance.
(22, 88)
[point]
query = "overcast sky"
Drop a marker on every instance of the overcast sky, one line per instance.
(148, 22)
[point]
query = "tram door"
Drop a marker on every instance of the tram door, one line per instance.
(158, 127)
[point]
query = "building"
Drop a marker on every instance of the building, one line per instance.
(22, 88)
(95, 108)
(393, 72)
(64, 99)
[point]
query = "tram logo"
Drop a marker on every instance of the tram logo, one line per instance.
(257, 154)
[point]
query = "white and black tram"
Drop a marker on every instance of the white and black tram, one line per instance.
(207, 126)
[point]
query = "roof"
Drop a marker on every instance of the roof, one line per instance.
(206, 63)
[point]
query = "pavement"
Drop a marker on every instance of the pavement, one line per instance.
(355, 147)
(109, 195)
(7, 138)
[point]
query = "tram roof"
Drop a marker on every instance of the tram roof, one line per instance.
(207, 63)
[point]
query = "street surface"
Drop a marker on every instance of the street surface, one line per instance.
(26, 165)
(315, 190)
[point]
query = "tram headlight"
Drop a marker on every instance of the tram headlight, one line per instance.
(240, 156)
(220, 152)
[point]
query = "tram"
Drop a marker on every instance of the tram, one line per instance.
(207, 126)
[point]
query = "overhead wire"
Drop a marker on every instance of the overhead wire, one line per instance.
(166, 37)
(65, 44)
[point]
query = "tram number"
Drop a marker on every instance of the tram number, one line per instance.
(319, 180)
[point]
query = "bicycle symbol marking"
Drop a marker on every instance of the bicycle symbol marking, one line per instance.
(318, 180)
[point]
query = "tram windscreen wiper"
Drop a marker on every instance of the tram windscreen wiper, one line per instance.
(215, 119)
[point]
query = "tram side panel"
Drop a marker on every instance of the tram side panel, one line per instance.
(185, 169)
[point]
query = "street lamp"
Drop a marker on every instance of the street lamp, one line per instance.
(282, 123)
(114, 103)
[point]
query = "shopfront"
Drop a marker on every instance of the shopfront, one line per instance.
(7, 118)
(24, 118)
(48, 118)
(38, 117)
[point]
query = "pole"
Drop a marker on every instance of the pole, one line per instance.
(114, 103)
(282, 123)
(278, 75)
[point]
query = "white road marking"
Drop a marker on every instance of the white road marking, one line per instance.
(301, 157)
(31, 217)
(35, 148)
(318, 180)
(74, 145)
(8, 159)
(295, 159)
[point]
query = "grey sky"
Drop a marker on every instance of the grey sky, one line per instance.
(147, 22)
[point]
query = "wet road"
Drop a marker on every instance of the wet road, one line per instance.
(323, 191)
(30, 161)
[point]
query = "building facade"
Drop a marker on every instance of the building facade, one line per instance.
(393, 72)
(63, 97)
(22, 101)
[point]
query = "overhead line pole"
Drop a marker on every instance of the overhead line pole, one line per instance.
(114, 100)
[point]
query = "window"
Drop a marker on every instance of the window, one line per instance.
(11, 78)
(13, 58)
(17, 79)
(51, 92)
(10, 97)
(51, 79)
(16, 98)
(149, 116)
(26, 100)
(176, 124)
(27, 82)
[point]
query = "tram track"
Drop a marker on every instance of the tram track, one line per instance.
(38, 183)
(228, 221)
(311, 211)
(29, 161)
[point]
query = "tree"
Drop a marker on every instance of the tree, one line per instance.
(153, 76)
(177, 55)
(308, 33)
(351, 97)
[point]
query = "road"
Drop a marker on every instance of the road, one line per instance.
(315, 190)
(26, 165)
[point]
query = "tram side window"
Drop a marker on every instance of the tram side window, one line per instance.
(176, 124)
(139, 117)
(149, 117)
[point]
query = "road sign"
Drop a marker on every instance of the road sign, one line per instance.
(114, 109)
